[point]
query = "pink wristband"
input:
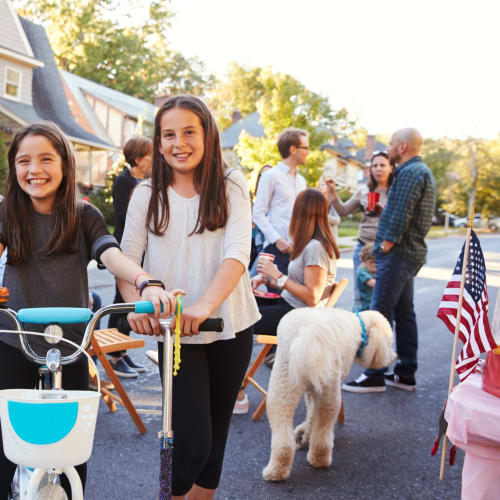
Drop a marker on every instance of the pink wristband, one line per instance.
(142, 273)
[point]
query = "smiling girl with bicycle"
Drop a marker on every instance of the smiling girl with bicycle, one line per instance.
(51, 238)
(192, 222)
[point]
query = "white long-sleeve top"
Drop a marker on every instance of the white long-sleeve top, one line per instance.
(272, 210)
(190, 262)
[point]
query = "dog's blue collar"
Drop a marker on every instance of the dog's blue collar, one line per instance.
(364, 337)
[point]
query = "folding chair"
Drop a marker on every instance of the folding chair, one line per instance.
(105, 342)
(268, 341)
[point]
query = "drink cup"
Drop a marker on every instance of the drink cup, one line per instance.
(372, 201)
(265, 257)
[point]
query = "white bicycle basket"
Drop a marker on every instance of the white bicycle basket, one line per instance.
(39, 431)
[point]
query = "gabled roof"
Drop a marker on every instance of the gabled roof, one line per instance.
(251, 123)
(49, 98)
(342, 148)
(379, 146)
(128, 105)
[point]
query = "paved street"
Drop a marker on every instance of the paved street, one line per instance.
(381, 452)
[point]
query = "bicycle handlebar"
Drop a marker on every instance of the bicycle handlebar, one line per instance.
(63, 315)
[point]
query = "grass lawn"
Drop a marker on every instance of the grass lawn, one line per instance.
(348, 231)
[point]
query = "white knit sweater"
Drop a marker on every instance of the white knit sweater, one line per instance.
(190, 262)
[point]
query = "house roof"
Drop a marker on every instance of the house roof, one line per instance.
(128, 105)
(379, 146)
(342, 147)
(49, 98)
(251, 123)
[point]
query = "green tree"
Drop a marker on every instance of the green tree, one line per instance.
(474, 177)
(440, 156)
(282, 102)
(90, 40)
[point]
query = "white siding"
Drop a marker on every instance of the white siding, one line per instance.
(26, 80)
(11, 38)
(101, 110)
(115, 120)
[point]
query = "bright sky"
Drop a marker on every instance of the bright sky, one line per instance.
(429, 64)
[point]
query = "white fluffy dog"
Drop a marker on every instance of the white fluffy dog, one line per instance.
(316, 348)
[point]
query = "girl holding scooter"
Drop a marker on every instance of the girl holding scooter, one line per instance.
(192, 223)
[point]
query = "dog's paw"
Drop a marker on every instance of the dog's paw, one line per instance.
(320, 457)
(272, 473)
(301, 434)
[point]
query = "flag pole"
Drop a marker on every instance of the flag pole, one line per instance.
(470, 223)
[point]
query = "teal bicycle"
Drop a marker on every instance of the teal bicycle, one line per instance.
(46, 432)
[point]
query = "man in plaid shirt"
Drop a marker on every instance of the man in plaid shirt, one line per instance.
(400, 252)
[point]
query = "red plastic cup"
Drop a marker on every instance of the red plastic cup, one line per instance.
(373, 198)
(266, 257)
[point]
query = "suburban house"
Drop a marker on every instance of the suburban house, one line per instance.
(106, 112)
(231, 136)
(344, 163)
(31, 90)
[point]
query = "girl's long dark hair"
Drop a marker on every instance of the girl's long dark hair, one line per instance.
(310, 221)
(18, 208)
(209, 176)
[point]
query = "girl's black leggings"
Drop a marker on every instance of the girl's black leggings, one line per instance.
(204, 393)
(16, 372)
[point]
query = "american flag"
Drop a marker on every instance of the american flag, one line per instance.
(474, 330)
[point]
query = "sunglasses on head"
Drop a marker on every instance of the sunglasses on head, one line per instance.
(380, 153)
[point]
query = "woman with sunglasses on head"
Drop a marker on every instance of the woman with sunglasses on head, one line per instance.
(381, 176)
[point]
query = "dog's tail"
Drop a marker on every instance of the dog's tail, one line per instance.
(308, 366)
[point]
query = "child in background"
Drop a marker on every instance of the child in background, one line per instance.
(366, 277)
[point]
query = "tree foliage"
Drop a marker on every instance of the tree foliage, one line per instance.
(89, 39)
(465, 170)
(282, 102)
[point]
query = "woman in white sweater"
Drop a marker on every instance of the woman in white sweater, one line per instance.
(192, 223)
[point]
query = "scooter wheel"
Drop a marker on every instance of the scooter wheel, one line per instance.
(52, 492)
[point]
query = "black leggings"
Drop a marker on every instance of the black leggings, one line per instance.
(272, 311)
(204, 393)
(16, 372)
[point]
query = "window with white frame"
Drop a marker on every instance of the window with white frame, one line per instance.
(12, 87)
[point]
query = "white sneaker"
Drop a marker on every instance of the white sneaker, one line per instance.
(241, 406)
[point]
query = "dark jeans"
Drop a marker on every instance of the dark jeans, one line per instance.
(393, 297)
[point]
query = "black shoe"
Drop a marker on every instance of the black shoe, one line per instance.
(121, 368)
(365, 383)
(405, 383)
(135, 366)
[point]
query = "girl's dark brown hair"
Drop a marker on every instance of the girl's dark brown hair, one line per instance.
(209, 177)
(372, 183)
(310, 221)
(18, 208)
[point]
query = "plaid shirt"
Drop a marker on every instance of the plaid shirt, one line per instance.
(407, 217)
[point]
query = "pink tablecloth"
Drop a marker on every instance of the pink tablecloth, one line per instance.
(473, 418)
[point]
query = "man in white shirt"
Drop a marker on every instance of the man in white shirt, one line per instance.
(278, 189)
